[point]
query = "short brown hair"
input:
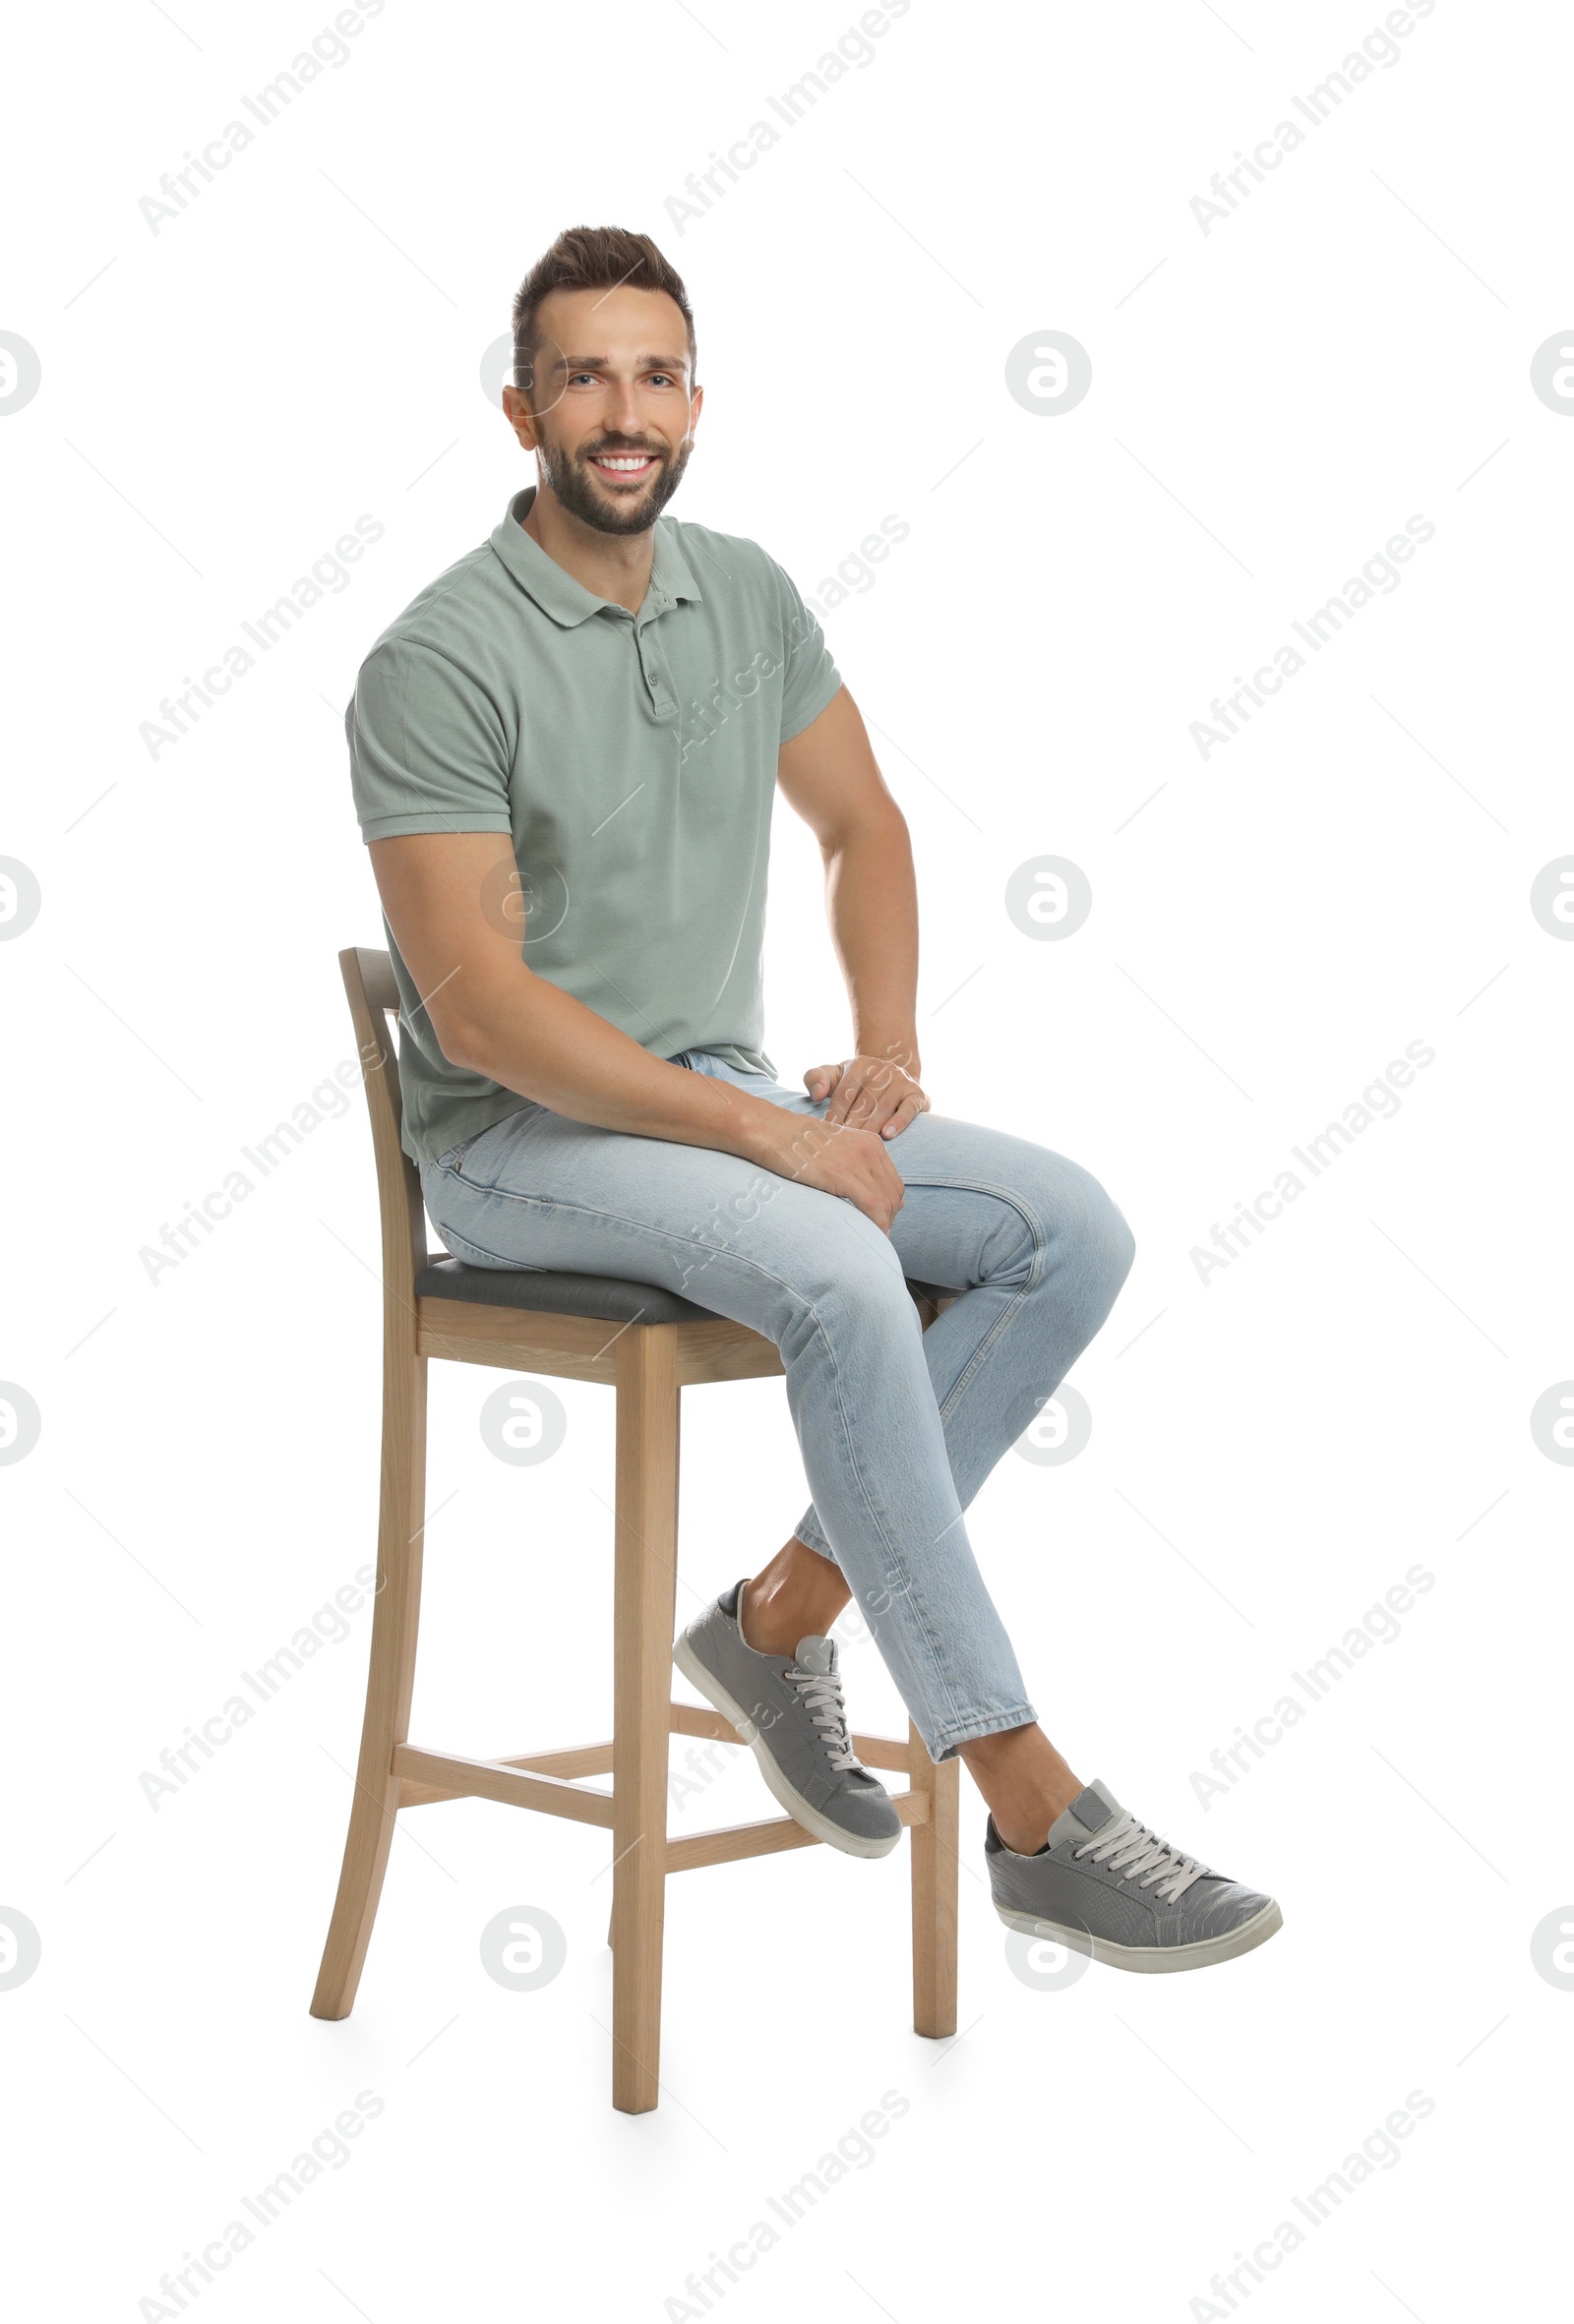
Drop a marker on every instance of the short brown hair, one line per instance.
(592, 258)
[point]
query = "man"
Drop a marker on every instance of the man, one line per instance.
(565, 753)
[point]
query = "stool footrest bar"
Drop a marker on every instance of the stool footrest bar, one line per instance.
(876, 1750)
(453, 1777)
(735, 1840)
(585, 1759)
(595, 1758)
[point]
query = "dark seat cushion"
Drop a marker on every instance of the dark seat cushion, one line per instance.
(606, 1298)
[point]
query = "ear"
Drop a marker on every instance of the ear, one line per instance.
(519, 416)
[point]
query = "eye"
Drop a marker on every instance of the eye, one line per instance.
(579, 374)
(662, 379)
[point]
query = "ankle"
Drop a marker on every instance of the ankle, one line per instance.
(761, 1627)
(1024, 1824)
(1024, 1837)
(752, 1625)
(1025, 1782)
(772, 1620)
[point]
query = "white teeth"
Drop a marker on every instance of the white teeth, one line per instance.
(642, 461)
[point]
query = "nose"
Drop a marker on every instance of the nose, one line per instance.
(622, 416)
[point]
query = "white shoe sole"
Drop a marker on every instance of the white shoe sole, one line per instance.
(797, 1806)
(1152, 1958)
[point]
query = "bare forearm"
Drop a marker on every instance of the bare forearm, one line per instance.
(871, 900)
(533, 1037)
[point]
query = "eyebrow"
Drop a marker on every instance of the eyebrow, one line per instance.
(601, 362)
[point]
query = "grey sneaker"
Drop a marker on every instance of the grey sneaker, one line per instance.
(1104, 1884)
(792, 1716)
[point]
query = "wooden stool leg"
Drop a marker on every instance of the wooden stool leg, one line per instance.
(391, 1676)
(934, 1874)
(645, 1592)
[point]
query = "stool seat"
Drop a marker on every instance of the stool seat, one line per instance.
(607, 1299)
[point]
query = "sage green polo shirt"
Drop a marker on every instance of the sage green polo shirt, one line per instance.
(633, 759)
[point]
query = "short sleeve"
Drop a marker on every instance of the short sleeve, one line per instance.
(428, 750)
(810, 679)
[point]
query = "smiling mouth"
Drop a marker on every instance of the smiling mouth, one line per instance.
(625, 467)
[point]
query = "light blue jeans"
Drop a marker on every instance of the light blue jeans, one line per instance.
(899, 1427)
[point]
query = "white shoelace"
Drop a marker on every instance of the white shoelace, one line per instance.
(822, 1696)
(1134, 1849)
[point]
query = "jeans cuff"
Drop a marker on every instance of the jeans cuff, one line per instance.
(971, 1730)
(812, 1538)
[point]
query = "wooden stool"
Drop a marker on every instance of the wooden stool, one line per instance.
(647, 1344)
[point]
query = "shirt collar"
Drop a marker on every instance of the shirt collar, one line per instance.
(567, 600)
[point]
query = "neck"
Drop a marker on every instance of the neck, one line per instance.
(613, 565)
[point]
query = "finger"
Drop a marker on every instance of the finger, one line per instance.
(881, 1091)
(870, 1081)
(895, 1193)
(848, 1090)
(873, 1110)
(911, 1106)
(821, 1080)
(864, 1092)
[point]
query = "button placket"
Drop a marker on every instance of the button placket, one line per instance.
(653, 665)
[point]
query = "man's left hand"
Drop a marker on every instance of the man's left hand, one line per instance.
(867, 1093)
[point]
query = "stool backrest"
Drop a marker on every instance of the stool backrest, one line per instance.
(374, 999)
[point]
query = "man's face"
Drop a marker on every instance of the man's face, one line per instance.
(612, 413)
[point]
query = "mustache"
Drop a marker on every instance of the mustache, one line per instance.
(621, 451)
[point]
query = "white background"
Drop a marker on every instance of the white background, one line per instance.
(1271, 1451)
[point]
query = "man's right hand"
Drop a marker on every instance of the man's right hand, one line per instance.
(833, 1159)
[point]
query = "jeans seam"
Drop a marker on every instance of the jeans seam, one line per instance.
(637, 1226)
(1034, 1225)
(931, 1640)
(505, 1266)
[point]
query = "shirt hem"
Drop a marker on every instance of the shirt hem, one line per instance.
(405, 826)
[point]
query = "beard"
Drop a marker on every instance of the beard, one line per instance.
(580, 489)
